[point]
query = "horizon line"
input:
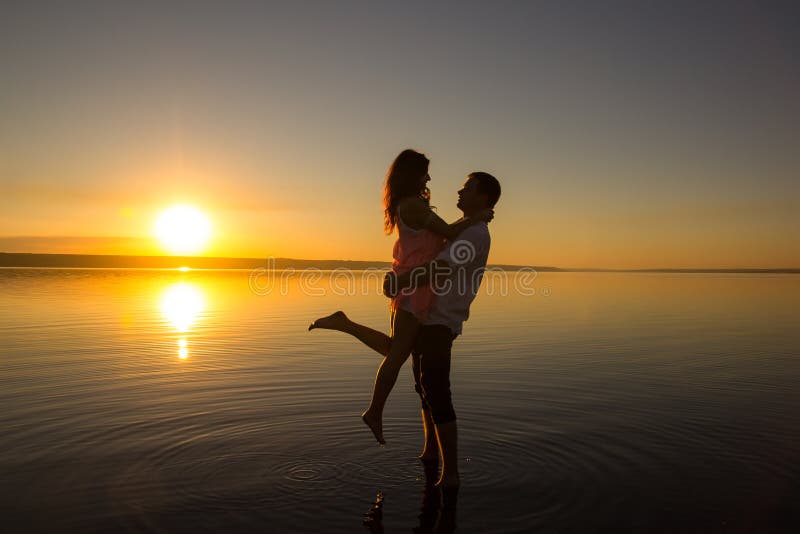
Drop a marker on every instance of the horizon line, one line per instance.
(172, 259)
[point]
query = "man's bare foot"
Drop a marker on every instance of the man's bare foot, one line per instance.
(375, 424)
(428, 456)
(334, 321)
(448, 482)
(431, 468)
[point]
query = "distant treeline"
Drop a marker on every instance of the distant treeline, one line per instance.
(98, 261)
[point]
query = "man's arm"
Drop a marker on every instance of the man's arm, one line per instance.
(420, 276)
(418, 215)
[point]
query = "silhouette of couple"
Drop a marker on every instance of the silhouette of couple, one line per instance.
(435, 275)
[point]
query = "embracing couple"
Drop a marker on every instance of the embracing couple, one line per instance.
(435, 276)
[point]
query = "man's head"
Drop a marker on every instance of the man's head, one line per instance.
(480, 191)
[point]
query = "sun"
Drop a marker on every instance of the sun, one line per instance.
(183, 230)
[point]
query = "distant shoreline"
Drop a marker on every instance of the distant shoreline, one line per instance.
(105, 261)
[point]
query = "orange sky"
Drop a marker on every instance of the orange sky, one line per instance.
(632, 144)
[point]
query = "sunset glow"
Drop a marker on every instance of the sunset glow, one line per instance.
(621, 142)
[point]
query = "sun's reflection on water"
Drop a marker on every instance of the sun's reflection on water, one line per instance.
(181, 305)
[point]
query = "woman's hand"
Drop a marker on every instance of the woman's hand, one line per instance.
(485, 215)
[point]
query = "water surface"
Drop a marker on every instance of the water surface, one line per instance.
(167, 401)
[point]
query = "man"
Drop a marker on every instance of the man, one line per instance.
(455, 276)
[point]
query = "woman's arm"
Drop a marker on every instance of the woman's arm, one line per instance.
(417, 215)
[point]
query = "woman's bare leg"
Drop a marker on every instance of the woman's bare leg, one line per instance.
(377, 341)
(405, 329)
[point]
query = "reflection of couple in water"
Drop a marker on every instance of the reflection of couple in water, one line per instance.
(435, 276)
(437, 514)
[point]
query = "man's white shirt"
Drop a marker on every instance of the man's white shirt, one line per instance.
(467, 257)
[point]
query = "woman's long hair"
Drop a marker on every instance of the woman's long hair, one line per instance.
(403, 180)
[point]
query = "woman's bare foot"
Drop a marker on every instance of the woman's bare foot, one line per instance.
(375, 424)
(334, 321)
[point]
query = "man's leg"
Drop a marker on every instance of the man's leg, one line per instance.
(447, 434)
(436, 344)
(430, 447)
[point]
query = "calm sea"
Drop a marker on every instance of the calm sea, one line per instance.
(168, 401)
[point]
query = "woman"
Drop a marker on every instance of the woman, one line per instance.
(421, 236)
